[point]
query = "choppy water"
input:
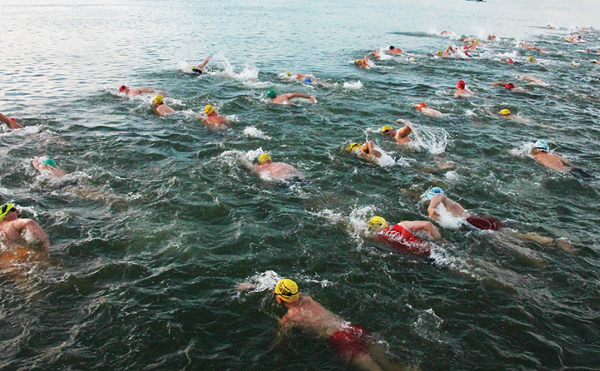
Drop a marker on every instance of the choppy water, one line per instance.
(158, 220)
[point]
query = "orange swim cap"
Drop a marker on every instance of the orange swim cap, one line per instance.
(421, 105)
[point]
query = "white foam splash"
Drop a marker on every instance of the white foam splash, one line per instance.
(253, 132)
(523, 150)
(447, 220)
(433, 140)
(265, 281)
(358, 223)
(27, 130)
(353, 85)
(451, 175)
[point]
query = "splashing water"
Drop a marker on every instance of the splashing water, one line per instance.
(253, 132)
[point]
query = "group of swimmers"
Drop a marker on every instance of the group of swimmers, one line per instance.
(352, 342)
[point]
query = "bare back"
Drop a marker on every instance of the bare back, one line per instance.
(278, 170)
(309, 315)
(552, 161)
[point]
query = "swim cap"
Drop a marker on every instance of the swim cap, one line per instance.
(510, 85)
(271, 94)
(531, 59)
(12, 119)
(386, 128)
(49, 162)
(377, 222)
(392, 47)
(287, 290)
(308, 80)
(159, 99)
(287, 73)
(587, 50)
(439, 52)
(462, 36)
(123, 88)
(352, 147)
(541, 145)
(264, 158)
(5, 209)
(208, 109)
(434, 191)
(504, 112)
(421, 105)
(461, 84)
(510, 60)
(358, 61)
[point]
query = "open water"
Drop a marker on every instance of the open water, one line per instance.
(158, 220)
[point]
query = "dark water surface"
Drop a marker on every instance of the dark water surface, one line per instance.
(158, 220)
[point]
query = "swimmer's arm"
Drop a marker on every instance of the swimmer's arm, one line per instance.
(11, 123)
(371, 149)
(150, 90)
(422, 225)
(300, 95)
(37, 165)
(435, 202)
(404, 132)
(28, 225)
(499, 83)
(201, 65)
(284, 326)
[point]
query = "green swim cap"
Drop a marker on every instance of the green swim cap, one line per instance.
(271, 94)
(49, 162)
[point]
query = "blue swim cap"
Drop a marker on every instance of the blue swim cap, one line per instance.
(49, 162)
(434, 191)
(541, 145)
(308, 80)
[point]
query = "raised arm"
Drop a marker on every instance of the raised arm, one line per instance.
(11, 123)
(421, 225)
(25, 226)
(369, 149)
(201, 65)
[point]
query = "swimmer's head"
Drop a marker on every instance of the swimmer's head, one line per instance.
(504, 112)
(159, 99)
(392, 47)
(264, 158)
(421, 105)
(587, 50)
(510, 85)
(6, 209)
(434, 191)
(463, 36)
(387, 128)
(439, 52)
(49, 162)
(352, 147)
(308, 81)
(287, 290)
(208, 109)
(531, 59)
(509, 60)
(287, 73)
(461, 84)
(358, 61)
(377, 222)
(123, 88)
(541, 145)
(271, 94)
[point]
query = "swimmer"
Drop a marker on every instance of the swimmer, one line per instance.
(400, 135)
(161, 108)
(11, 122)
(48, 166)
(491, 37)
(436, 197)
(575, 39)
(466, 39)
(550, 27)
(275, 169)
(462, 90)
(24, 232)
(395, 51)
(533, 80)
(285, 98)
(400, 236)
(523, 44)
(554, 161)
(353, 344)
(531, 59)
(473, 45)
(596, 51)
(363, 63)
(429, 111)
(510, 61)
(510, 87)
(444, 33)
(367, 151)
(198, 69)
(449, 52)
(134, 92)
(505, 114)
(376, 53)
(212, 117)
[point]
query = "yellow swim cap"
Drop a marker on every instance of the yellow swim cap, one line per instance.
(531, 59)
(439, 52)
(386, 128)
(288, 74)
(263, 158)
(504, 112)
(352, 146)
(358, 61)
(158, 99)
(208, 109)
(5, 209)
(377, 222)
(287, 290)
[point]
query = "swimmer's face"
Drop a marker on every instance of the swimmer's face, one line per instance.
(389, 132)
(13, 214)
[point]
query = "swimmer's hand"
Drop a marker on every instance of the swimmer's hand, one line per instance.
(278, 341)
(245, 286)
(313, 99)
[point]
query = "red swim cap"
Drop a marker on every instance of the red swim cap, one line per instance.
(461, 84)
(510, 60)
(12, 119)
(510, 85)
(421, 105)
(122, 88)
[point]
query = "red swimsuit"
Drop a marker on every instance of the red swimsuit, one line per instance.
(404, 241)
